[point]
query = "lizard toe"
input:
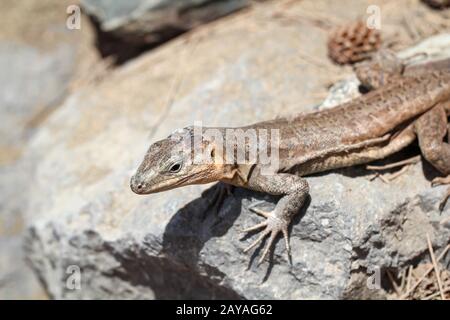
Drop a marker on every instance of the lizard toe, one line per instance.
(444, 201)
(273, 234)
(440, 181)
(255, 227)
(263, 213)
(285, 232)
(257, 241)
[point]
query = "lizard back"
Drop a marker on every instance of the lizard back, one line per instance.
(367, 117)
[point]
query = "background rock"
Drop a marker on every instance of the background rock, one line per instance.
(126, 28)
(170, 245)
(72, 176)
(32, 83)
(38, 62)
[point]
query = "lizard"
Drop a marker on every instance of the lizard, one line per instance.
(404, 105)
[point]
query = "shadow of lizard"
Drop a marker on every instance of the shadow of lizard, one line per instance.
(197, 222)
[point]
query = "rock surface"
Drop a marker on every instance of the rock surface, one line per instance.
(31, 84)
(38, 61)
(83, 215)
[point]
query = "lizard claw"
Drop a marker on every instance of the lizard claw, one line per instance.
(261, 212)
(444, 201)
(258, 226)
(273, 226)
(441, 181)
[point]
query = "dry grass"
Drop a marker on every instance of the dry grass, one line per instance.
(426, 281)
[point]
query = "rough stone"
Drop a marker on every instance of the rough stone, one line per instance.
(127, 28)
(149, 16)
(32, 83)
(82, 213)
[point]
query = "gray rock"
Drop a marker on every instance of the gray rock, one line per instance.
(32, 84)
(83, 216)
(154, 21)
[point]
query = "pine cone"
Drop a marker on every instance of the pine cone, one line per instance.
(353, 42)
(437, 4)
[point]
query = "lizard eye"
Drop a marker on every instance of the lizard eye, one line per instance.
(174, 168)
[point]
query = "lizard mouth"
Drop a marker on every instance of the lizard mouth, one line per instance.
(168, 184)
(140, 187)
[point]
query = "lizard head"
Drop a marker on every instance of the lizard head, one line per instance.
(169, 164)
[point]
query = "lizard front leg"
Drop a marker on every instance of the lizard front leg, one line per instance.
(294, 190)
(431, 129)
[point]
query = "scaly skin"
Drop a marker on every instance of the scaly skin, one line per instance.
(402, 107)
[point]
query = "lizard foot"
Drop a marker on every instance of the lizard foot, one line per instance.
(273, 225)
(441, 181)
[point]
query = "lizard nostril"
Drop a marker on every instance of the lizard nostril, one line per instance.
(136, 185)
